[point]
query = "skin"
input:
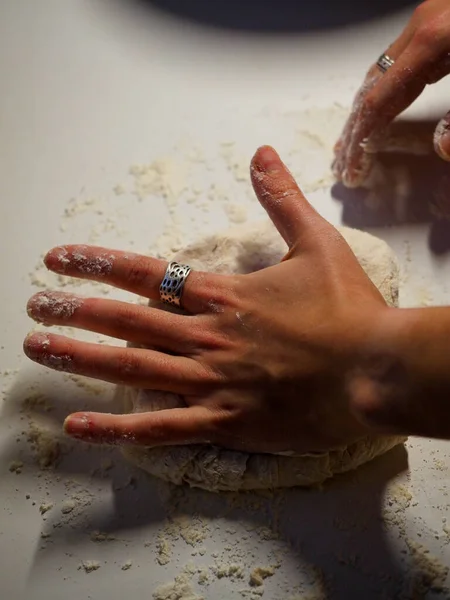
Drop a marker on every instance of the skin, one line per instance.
(303, 356)
(422, 57)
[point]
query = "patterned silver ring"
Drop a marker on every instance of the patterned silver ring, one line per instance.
(171, 288)
(385, 62)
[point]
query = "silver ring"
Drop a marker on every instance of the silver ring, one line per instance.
(385, 62)
(171, 288)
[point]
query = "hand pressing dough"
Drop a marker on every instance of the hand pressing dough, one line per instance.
(242, 250)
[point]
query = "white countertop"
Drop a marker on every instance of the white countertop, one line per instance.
(90, 88)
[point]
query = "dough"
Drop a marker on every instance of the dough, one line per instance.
(242, 250)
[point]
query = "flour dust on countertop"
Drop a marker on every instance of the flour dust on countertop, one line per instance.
(96, 518)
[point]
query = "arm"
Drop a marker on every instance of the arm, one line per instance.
(421, 57)
(322, 372)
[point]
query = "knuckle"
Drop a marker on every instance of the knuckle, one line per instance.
(128, 364)
(419, 12)
(160, 430)
(370, 103)
(219, 338)
(91, 306)
(431, 33)
(137, 273)
(209, 378)
(221, 294)
(208, 340)
(125, 318)
(236, 289)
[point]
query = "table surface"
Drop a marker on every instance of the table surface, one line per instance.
(125, 126)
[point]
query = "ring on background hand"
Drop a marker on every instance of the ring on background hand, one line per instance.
(385, 62)
(171, 288)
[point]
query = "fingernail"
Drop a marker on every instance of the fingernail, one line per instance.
(78, 425)
(57, 259)
(336, 168)
(352, 179)
(442, 139)
(37, 346)
(338, 145)
(35, 343)
(268, 160)
(57, 305)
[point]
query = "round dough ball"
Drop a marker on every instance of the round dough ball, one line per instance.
(246, 249)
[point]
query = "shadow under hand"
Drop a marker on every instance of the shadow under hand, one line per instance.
(409, 184)
(66, 469)
(332, 538)
(277, 15)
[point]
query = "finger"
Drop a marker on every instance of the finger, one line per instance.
(161, 428)
(395, 91)
(136, 367)
(342, 144)
(441, 138)
(279, 194)
(129, 322)
(135, 273)
(372, 78)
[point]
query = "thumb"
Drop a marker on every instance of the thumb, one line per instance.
(442, 138)
(280, 196)
(173, 426)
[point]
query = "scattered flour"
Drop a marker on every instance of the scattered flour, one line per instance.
(179, 589)
(164, 549)
(98, 536)
(45, 507)
(259, 574)
(16, 467)
(46, 446)
(88, 566)
(55, 305)
(168, 179)
(68, 506)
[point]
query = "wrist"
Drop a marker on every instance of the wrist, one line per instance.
(379, 383)
(401, 382)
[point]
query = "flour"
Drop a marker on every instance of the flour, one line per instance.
(46, 446)
(259, 574)
(164, 551)
(88, 566)
(98, 265)
(179, 589)
(230, 571)
(98, 537)
(119, 189)
(246, 249)
(54, 304)
(310, 153)
(68, 506)
(45, 507)
(429, 572)
(16, 467)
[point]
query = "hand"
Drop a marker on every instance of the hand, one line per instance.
(422, 56)
(264, 361)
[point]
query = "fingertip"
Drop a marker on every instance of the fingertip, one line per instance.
(35, 343)
(336, 169)
(31, 307)
(26, 344)
(266, 160)
(57, 259)
(441, 140)
(36, 304)
(78, 425)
